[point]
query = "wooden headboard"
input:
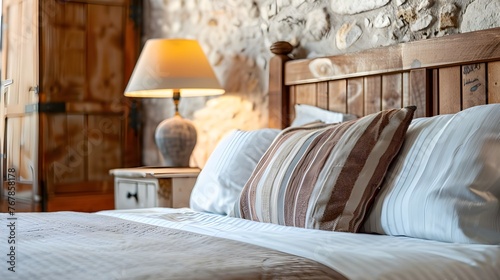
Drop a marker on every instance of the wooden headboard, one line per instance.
(441, 75)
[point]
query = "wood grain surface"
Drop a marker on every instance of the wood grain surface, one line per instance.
(423, 73)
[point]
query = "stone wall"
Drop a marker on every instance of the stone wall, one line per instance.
(236, 36)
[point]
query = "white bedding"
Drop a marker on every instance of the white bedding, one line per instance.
(357, 256)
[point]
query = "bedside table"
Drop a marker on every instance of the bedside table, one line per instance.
(144, 187)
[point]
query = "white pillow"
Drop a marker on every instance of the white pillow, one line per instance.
(445, 183)
(228, 168)
(305, 114)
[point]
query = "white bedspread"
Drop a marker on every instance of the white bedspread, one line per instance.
(357, 256)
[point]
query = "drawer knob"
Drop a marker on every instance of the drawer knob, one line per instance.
(129, 195)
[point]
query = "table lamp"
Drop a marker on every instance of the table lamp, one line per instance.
(171, 68)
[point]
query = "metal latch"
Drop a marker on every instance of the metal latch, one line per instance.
(34, 89)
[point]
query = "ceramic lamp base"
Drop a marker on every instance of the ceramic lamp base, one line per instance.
(175, 138)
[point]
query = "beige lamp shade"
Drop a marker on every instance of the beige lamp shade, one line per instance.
(166, 65)
(173, 68)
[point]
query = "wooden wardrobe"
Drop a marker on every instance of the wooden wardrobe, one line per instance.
(64, 120)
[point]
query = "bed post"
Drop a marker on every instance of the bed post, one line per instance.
(278, 92)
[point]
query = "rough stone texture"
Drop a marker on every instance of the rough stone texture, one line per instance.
(381, 21)
(236, 36)
(400, 2)
(407, 15)
(317, 24)
(347, 35)
(448, 16)
(356, 6)
(368, 23)
(481, 14)
(425, 4)
(422, 22)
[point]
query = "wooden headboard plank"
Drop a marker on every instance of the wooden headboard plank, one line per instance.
(441, 75)
(392, 91)
(494, 82)
(474, 85)
(323, 95)
(434, 108)
(418, 92)
(278, 93)
(372, 88)
(449, 83)
(291, 104)
(480, 46)
(306, 94)
(337, 99)
(355, 96)
(405, 96)
(344, 66)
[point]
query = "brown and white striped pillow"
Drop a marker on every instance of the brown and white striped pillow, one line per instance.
(324, 177)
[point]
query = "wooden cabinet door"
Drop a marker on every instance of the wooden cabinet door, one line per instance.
(87, 49)
(19, 118)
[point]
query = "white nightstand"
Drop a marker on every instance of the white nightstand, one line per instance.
(144, 187)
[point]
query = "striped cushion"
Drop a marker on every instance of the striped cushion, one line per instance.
(324, 177)
(445, 183)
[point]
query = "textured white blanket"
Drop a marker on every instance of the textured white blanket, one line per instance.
(69, 245)
(357, 256)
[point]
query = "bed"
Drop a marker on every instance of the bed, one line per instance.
(422, 117)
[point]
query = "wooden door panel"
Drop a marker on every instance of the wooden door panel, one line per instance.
(21, 150)
(28, 148)
(12, 51)
(27, 62)
(105, 146)
(20, 43)
(82, 52)
(87, 52)
(76, 148)
(13, 143)
(63, 52)
(80, 150)
(92, 133)
(63, 140)
(105, 52)
(21, 146)
(18, 115)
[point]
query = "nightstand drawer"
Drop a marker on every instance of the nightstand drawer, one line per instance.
(143, 188)
(130, 194)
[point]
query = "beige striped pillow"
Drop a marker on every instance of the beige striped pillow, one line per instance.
(324, 177)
